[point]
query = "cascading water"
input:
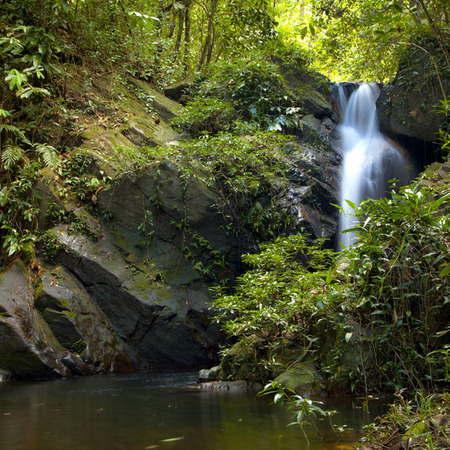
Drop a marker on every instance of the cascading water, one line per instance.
(369, 159)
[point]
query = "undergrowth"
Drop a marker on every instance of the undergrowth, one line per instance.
(375, 317)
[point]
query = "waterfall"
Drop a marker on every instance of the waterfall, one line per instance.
(369, 159)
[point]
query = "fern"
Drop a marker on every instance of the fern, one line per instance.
(48, 154)
(11, 155)
(4, 113)
(12, 129)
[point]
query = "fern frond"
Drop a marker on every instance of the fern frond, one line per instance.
(4, 113)
(12, 129)
(11, 155)
(48, 154)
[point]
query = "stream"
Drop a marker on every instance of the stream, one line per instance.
(157, 411)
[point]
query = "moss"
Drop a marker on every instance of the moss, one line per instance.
(302, 378)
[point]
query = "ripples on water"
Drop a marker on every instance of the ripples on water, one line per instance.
(153, 411)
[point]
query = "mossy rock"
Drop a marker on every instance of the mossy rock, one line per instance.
(17, 358)
(303, 378)
(408, 106)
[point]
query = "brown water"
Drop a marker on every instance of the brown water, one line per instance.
(153, 411)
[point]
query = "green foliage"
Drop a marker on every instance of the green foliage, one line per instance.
(279, 300)
(389, 299)
(205, 116)
(395, 286)
(444, 133)
(244, 169)
(18, 213)
(50, 245)
(421, 422)
(256, 90)
(78, 177)
(304, 410)
(360, 40)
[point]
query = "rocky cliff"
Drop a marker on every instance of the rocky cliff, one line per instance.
(122, 282)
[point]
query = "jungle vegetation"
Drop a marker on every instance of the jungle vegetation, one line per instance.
(395, 287)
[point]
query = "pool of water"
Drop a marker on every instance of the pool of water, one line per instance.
(156, 411)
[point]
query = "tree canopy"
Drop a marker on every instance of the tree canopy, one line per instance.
(344, 39)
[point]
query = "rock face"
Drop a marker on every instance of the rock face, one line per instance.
(314, 184)
(52, 329)
(408, 107)
(128, 288)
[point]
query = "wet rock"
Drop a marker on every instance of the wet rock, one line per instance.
(88, 339)
(164, 326)
(23, 352)
(48, 202)
(310, 89)
(303, 378)
(407, 107)
(312, 189)
(180, 89)
(130, 291)
(212, 374)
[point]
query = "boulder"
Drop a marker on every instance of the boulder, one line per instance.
(303, 378)
(163, 326)
(212, 374)
(49, 327)
(87, 338)
(408, 106)
(309, 88)
(178, 90)
(232, 387)
(130, 291)
(25, 347)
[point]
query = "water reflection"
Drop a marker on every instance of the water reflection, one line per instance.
(151, 411)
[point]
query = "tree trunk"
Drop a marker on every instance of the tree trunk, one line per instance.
(181, 15)
(208, 45)
(187, 35)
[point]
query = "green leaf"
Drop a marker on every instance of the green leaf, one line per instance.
(4, 113)
(16, 79)
(351, 204)
(303, 32)
(445, 270)
(172, 439)
(3, 196)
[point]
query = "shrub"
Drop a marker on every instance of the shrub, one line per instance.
(256, 90)
(277, 303)
(205, 115)
(398, 285)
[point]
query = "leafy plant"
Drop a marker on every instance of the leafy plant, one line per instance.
(388, 298)
(205, 116)
(304, 410)
(76, 174)
(421, 422)
(277, 303)
(256, 90)
(396, 288)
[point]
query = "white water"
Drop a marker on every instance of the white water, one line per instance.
(370, 161)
